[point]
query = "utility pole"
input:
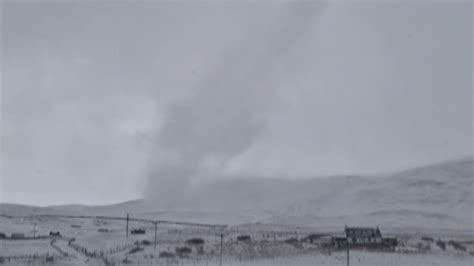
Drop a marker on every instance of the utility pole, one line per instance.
(347, 247)
(155, 232)
(34, 230)
(127, 225)
(347, 243)
(220, 255)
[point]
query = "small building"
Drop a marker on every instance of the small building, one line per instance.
(183, 251)
(390, 242)
(340, 242)
(138, 231)
(244, 238)
(54, 234)
(363, 235)
(316, 238)
(195, 241)
(17, 236)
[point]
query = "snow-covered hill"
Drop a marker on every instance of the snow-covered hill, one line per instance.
(437, 196)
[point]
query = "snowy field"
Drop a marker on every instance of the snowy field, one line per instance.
(85, 245)
(428, 210)
(24, 247)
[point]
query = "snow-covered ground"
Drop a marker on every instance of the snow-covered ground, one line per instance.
(433, 202)
(267, 246)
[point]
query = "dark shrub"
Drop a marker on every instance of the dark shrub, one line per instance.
(441, 244)
(146, 242)
(135, 250)
(426, 238)
(457, 245)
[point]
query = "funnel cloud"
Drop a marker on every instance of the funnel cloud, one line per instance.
(227, 112)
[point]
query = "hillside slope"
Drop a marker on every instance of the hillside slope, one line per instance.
(436, 196)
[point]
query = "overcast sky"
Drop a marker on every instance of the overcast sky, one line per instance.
(104, 101)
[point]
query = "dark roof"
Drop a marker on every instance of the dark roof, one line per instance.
(362, 232)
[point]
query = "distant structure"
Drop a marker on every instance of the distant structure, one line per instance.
(17, 236)
(139, 231)
(126, 230)
(244, 238)
(339, 241)
(55, 234)
(363, 236)
(317, 238)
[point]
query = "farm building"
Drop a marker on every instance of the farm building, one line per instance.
(244, 238)
(363, 235)
(340, 242)
(139, 231)
(390, 242)
(17, 236)
(316, 238)
(51, 233)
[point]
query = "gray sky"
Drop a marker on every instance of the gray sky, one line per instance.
(105, 101)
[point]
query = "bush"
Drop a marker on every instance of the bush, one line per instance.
(146, 242)
(457, 245)
(135, 250)
(441, 244)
